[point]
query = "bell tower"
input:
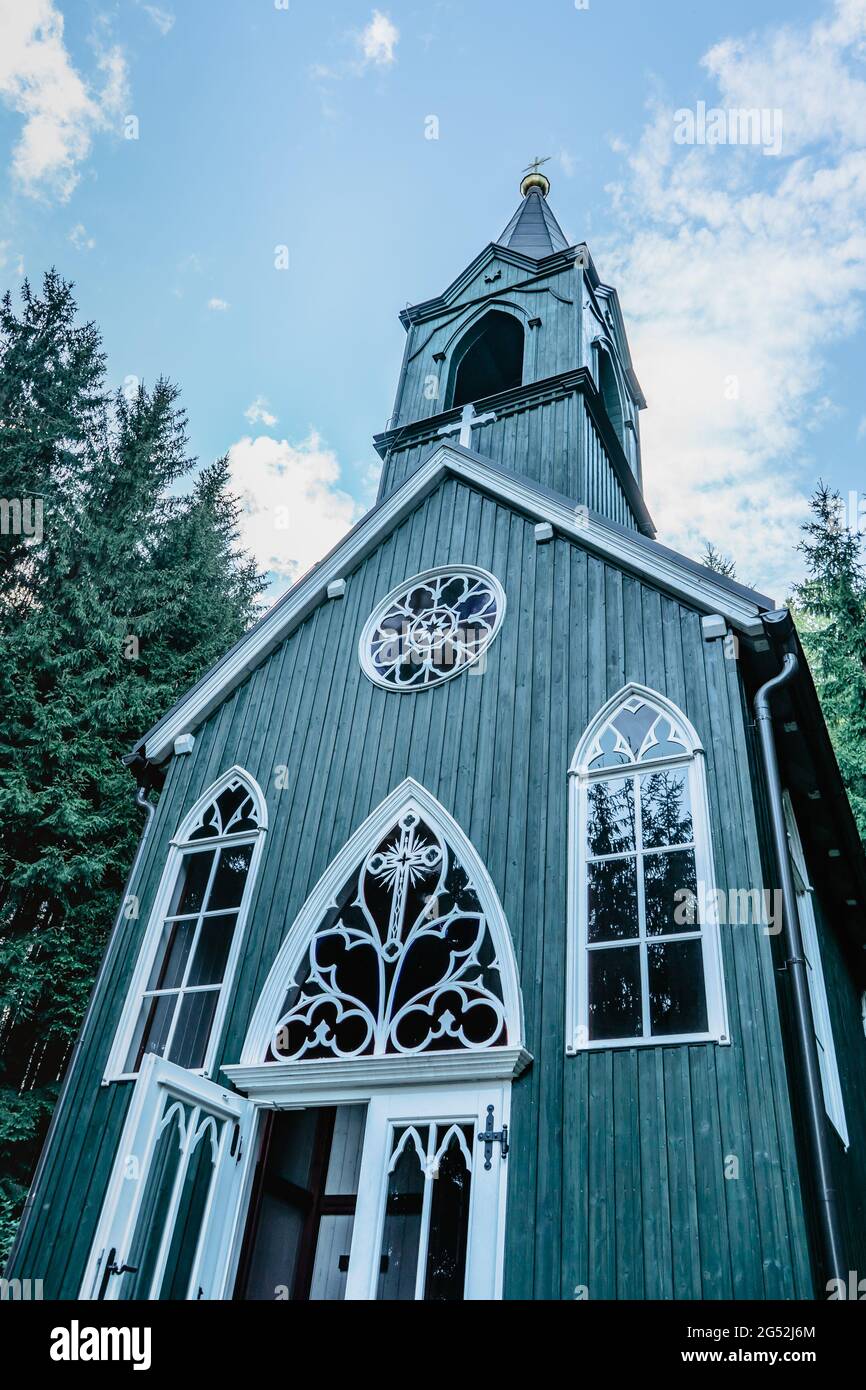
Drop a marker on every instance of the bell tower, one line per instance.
(524, 360)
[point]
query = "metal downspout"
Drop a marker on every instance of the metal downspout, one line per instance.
(795, 965)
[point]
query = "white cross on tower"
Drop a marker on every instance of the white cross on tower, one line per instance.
(467, 423)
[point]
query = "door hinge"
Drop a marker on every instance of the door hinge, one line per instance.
(490, 1136)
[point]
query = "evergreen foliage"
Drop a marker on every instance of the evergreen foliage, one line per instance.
(715, 560)
(129, 589)
(830, 607)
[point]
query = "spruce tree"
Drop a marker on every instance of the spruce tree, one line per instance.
(133, 590)
(830, 605)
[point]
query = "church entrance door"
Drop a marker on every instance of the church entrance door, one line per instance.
(400, 1197)
(167, 1219)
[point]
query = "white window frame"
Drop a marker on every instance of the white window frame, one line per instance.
(581, 777)
(157, 1081)
(831, 1084)
(405, 587)
(408, 796)
(180, 847)
(486, 1237)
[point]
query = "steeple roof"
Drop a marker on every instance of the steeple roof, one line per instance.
(533, 230)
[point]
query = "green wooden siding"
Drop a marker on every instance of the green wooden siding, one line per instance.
(616, 1175)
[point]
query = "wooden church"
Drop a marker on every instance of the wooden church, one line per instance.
(497, 930)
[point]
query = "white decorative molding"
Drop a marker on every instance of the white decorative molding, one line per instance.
(584, 752)
(303, 1082)
(464, 610)
(410, 797)
(184, 743)
(603, 538)
(543, 532)
(336, 588)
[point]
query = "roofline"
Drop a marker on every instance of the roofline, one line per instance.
(674, 573)
(538, 269)
(809, 716)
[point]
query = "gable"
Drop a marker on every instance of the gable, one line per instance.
(449, 472)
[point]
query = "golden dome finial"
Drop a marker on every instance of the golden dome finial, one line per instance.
(533, 179)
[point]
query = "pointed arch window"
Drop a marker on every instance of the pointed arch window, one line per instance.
(488, 359)
(178, 995)
(402, 950)
(610, 394)
(644, 962)
(402, 961)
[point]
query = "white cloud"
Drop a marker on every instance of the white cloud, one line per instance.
(293, 511)
(378, 40)
(737, 274)
(218, 305)
(861, 428)
(566, 163)
(61, 110)
(163, 19)
(258, 413)
(80, 238)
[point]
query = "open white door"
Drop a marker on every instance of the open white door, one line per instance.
(430, 1219)
(172, 1198)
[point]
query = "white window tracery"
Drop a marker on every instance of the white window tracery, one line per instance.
(402, 961)
(431, 628)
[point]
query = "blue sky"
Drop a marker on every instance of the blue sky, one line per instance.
(742, 275)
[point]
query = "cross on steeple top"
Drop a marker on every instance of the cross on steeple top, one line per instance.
(536, 163)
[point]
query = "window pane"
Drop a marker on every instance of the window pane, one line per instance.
(676, 979)
(191, 1210)
(151, 1030)
(664, 743)
(614, 993)
(449, 1221)
(233, 813)
(612, 907)
(211, 953)
(611, 816)
(155, 1203)
(189, 1044)
(230, 877)
(171, 957)
(666, 809)
(634, 725)
(665, 876)
(401, 1236)
(191, 884)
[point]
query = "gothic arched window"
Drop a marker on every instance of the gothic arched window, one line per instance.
(644, 963)
(177, 998)
(610, 394)
(488, 359)
(401, 949)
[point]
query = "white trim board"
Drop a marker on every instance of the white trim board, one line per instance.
(304, 1083)
(593, 532)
